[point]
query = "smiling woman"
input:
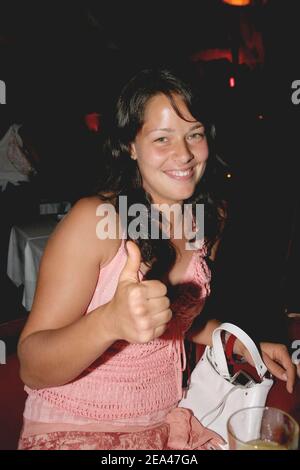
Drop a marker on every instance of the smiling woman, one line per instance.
(171, 152)
(103, 363)
(161, 150)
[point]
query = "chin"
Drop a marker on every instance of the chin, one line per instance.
(179, 198)
(186, 194)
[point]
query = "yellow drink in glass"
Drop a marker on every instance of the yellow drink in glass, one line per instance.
(262, 428)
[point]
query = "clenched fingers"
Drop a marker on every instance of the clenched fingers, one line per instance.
(154, 289)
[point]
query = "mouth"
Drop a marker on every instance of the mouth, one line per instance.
(180, 175)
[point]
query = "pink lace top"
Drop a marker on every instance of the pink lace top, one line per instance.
(130, 384)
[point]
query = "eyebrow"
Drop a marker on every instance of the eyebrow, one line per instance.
(168, 129)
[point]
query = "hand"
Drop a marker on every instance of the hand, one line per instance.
(140, 310)
(276, 359)
(279, 363)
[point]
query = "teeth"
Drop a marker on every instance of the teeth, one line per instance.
(180, 173)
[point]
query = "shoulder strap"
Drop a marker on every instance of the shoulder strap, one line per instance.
(219, 355)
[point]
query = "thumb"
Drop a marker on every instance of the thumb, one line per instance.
(132, 265)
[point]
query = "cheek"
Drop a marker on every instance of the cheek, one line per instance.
(202, 154)
(151, 158)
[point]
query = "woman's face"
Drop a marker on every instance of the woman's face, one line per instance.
(171, 153)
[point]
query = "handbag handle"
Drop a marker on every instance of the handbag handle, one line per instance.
(219, 355)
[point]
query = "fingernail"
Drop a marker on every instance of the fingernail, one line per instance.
(284, 377)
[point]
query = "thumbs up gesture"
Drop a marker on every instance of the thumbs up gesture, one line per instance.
(140, 309)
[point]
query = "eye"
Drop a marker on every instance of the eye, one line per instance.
(161, 140)
(196, 136)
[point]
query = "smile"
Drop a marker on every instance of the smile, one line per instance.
(180, 175)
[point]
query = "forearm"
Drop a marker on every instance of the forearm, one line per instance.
(203, 335)
(55, 357)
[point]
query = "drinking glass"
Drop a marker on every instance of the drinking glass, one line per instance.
(262, 428)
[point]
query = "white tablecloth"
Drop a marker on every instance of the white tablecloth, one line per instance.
(26, 246)
(54, 207)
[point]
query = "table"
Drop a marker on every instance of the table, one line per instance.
(47, 207)
(26, 245)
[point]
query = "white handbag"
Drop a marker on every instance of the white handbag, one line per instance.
(211, 395)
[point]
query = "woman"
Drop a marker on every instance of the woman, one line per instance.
(112, 378)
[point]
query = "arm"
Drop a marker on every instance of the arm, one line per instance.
(58, 342)
(277, 360)
(275, 355)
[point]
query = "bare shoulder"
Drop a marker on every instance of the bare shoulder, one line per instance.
(69, 269)
(80, 228)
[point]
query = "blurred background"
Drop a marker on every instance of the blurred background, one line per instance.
(64, 62)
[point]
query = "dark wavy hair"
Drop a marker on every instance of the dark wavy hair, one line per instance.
(121, 173)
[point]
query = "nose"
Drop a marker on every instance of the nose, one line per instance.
(182, 152)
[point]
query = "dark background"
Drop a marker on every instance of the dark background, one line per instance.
(63, 60)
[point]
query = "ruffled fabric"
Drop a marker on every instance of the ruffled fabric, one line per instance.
(187, 433)
(181, 431)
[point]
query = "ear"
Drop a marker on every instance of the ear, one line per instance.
(133, 152)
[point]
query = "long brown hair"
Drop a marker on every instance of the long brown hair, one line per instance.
(122, 176)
